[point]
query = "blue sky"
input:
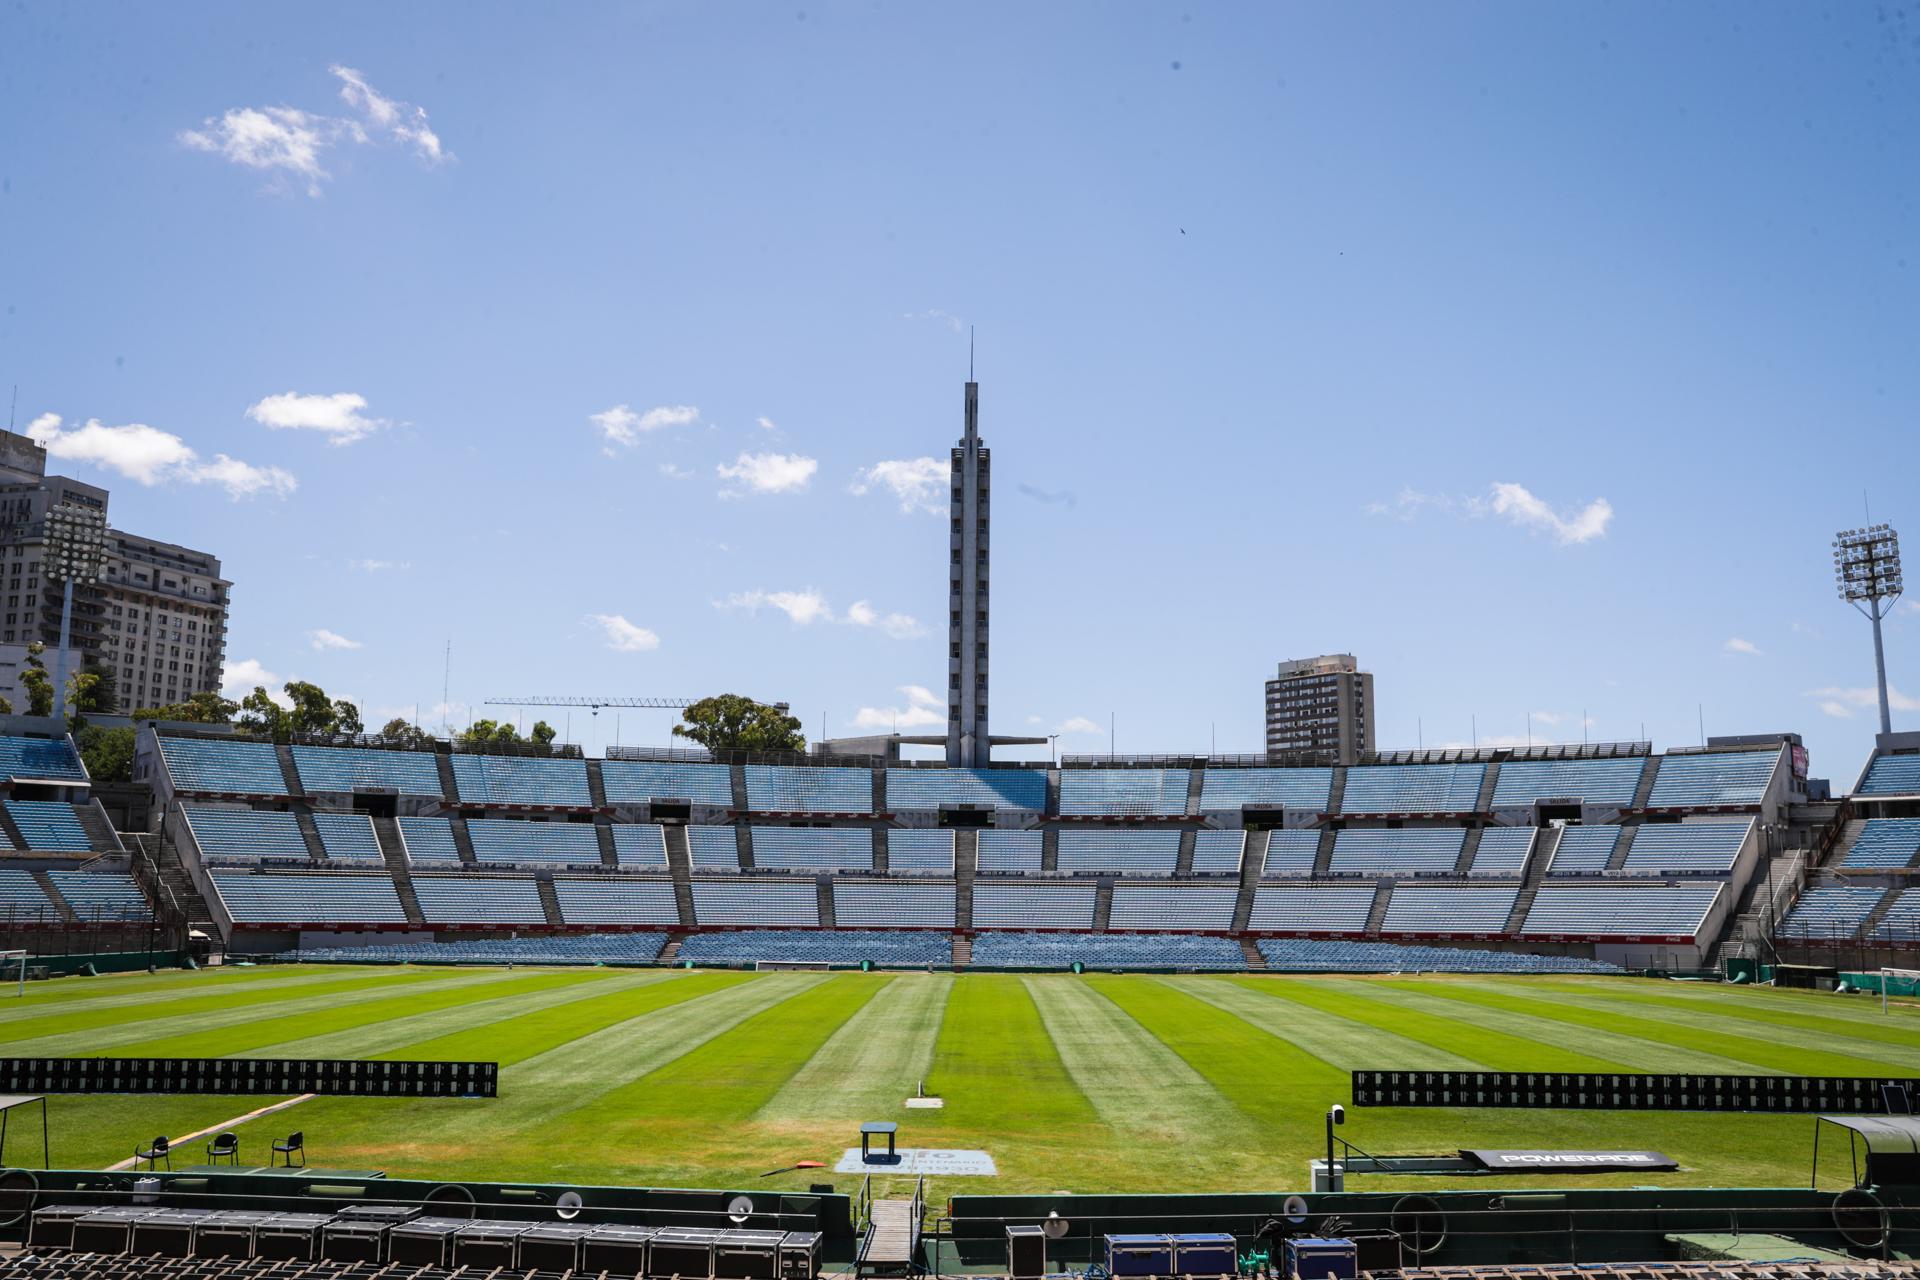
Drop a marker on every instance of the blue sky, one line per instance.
(1531, 352)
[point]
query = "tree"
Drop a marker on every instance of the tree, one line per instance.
(313, 713)
(482, 734)
(202, 708)
(108, 752)
(104, 696)
(346, 719)
(260, 714)
(730, 722)
(37, 683)
(542, 735)
(398, 733)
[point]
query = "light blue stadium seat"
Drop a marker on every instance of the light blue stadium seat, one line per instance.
(916, 851)
(309, 898)
(225, 768)
(1402, 851)
(514, 842)
(930, 789)
(713, 848)
(411, 773)
(1503, 851)
(49, 825)
(1830, 913)
(428, 840)
(522, 780)
(813, 848)
(1180, 908)
(886, 904)
(1291, 852)
(1413, 788)
(550, 949)
(1901, 924)
(1219, 853)
(479, 900)
(39, 759)
(900, 949)
(1584, 850)
(757, 901)
(775, 788)
(101, 895)
(1124, 792)
(1619, 910)
(347, 836)
(1686, 847)
(1712, 778)
(1311, 908)
(1885, 843)
(616, 900)
(22, 899)
(1597, 782)
(1442, 910)
(1226, 790)
(641, 844)
(1013, 950)
(1317, 955)
(1015, 904)
(245, 835)
(1010, 852)
(645, 781)
(1892, 776)
(1124, 852)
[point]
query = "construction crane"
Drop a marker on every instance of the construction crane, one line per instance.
(594, 704)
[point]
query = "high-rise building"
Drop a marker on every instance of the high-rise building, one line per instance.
(1322, 706)
(157, 617)
(967, 740)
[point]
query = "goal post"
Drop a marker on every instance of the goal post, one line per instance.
(1897, 982)
(13, 965)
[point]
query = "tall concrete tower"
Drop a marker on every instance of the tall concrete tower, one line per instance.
(967, 741)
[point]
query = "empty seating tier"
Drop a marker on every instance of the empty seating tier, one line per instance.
(428, 840)
(1138, 793)
(348, 836)
(1584, 851)
(1503, 851)
(1602, 782)
(611, 900)
(640, 844)
(479, 900)
(786, 789)
(410, 773)
(1413, 788)
(1901, 924)
(1448, 910)
(245, 835)
(1309, 955)
(713, 848)
(1010, 852)
(911, 851)
(1830, 913)
(1104, 951)
(813, 848)
(1311, 908)
(22, 898)
(225, 768)
(1619, 910)
(311, 898)
(1226, 790)
(1122, 852)
(592, 948)
(510, 841)
(1291, 852)
(1686, 847)
(1408, 851)
(764, 902)
(818, 946)
(101, 895)
(645, 781)
(1712, 778)
(932, 788)
(1016, 905)
(536, 781)
(1885, 843)
(50, 825)
(885, 904)
(1180, 908)
(39, 760)
(1892, 776)
(1218, 853)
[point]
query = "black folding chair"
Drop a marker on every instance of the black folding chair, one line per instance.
(226, 1147)
(155, 1151)
(296, 1144)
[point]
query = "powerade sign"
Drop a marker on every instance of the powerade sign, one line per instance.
(1572, 1161)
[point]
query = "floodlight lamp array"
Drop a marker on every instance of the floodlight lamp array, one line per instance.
(1866, 563)
(76, 544)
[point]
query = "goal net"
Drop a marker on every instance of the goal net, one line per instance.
(1898, 982)
(13, 969)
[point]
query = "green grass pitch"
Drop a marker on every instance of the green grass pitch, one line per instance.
(1134, 1083)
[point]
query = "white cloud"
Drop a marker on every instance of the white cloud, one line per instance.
(1868, 698)
(623, 636)
(804, 608)
(918, 484)
(238, 679)
(1838, 710)
(337, 416)
(953, 322)
(150, 456)
(672, 472)
(1078, 724)
(323, 639)
(923, 711)
(767, 473)
(1735, 644)
(767, 424)
(1522, 508)
(622, 426)
(898, 625)
(288, 142)
(379, 566)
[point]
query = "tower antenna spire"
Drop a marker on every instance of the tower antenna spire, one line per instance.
(970, 377)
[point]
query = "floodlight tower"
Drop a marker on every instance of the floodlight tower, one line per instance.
(76, 545)
(1866, 569)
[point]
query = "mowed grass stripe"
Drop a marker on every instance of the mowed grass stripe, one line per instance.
(178, 987)
(1629, 1052)
(996, 1067)
(73, 992)
(158, 1023)
(1134, 1081)
(874, 1061)
(1862, 1016)
(1758, 1055)
(1538, 1049)
(1304, 1017)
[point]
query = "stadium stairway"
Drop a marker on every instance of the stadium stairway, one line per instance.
(11, 829)
(1879, 913)
(549, 899)
(1469, 850)
(603, 832)
(881, 865)
(1483, 803)
(962, 952)
(823, 894)
(448, 787)
(1196, 779)
(597, 791)
(1251, 950)
(1252, 859)
(1183, 860)
(386, 832)
(1337, 791)
(1622, 848)
(966, 859)
(879, 790)
(1644, 792)
(1521, 905)
(1323, 857)
(101, 837)
(303, 818)
(289, 771)
(1103, 904)
(463, 841)
(60, 903)
(1377, 914)
(173, 875)
(737, 775)
(743, 842)
(671, 952)
(680, 865)
(1843, 846)
(1050, 849)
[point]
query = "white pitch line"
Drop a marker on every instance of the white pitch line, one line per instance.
(234, 1123)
